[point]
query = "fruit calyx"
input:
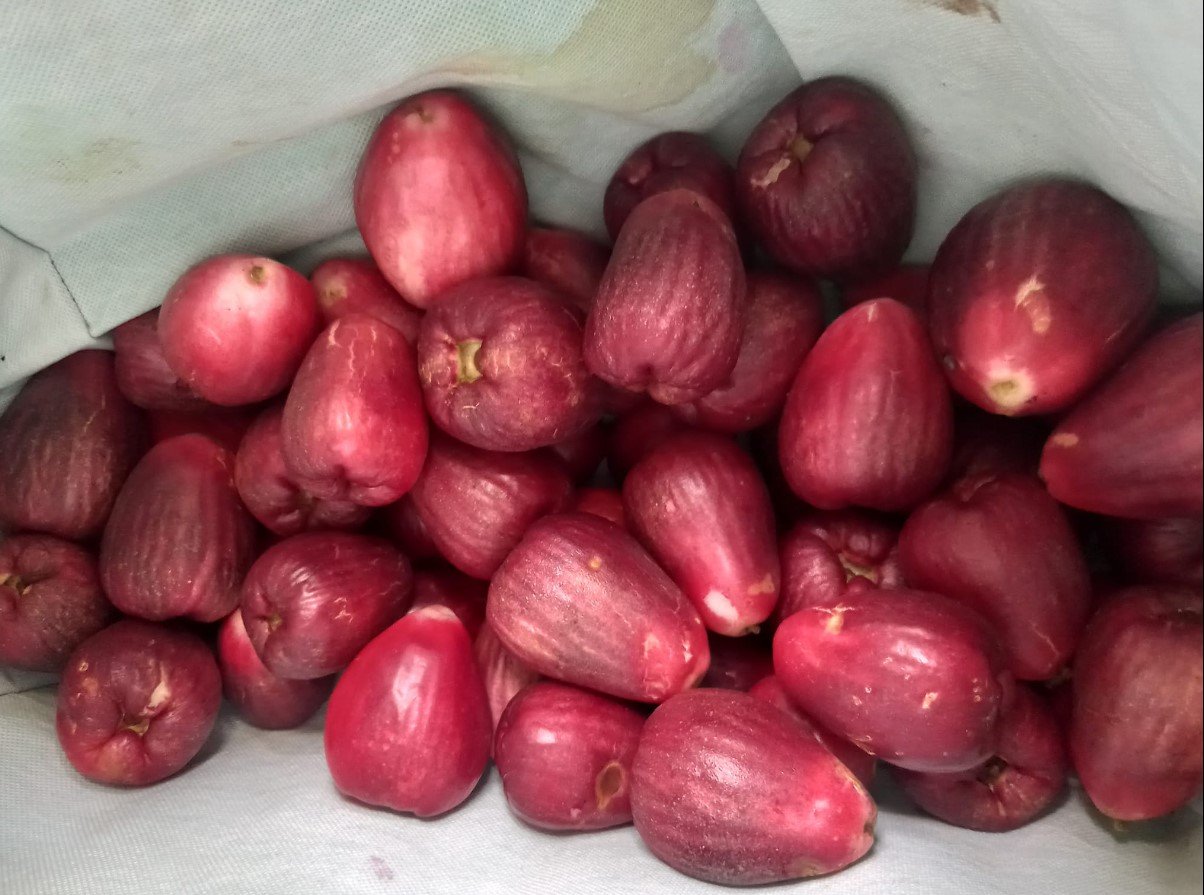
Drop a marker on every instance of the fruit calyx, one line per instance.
(467, 370)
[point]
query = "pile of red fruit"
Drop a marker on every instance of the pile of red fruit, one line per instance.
(957, 530)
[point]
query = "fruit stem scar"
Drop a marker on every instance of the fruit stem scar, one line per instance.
(274, 621)
(14, 581)
(801, 147)
(139, 727)
(257, 274)
(608, 783)
(466, 361)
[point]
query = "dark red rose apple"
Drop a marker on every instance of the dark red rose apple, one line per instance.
(583, 454)
(568, 262)
(1157, 551)
(606, 503)
(446, 587)
(224, 425)
(738, 663)
(142, 371)
(402, 523)
(907, 283)
(638, 432)
(356, 286)
(504, 674)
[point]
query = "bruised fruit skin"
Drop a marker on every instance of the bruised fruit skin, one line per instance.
(1157, 551)
(408, 724)
(907, 284)
(785, 318)
(1135, 447)
(356, 286)
(861, 763)
(312, 601)
(1013, 787)
(68, 439)
(731, 790)
(504, 674)
(1135, 729)
(868, 421)
(987, 444)
(476, 504)
(670, 311)
(142, 371)
(179, 540)
(136, 703)
(354, 427)
(462, 595)
(261, 697)
(738, 663)
(234, 328)
(638, 432)
(224, 425)
(669, 161)
(564, 756)
(568, 262)
(579, 600)
(271, 493)
(827, 181)
(606, 503)
(50, 601)
(439, 197)
(1036, 293)
(1003, 546)
(583, 454)
(825, 554)
(697, 503)
(500, 364)
(913, 678)
(403, 524)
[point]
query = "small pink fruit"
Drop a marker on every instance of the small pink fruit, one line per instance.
(179, 540)
(402, 523)
(606, 503)
(1136, 730)
(785, 318)
(261, 697)
(136, 703)
(907, 284)
(234, 328)
(583, 454)
(1135, 447)
(564, 755)
(1037, 293)
(638, 432)
(68, 439)
(868, 421)
(408, 724)
(503, 673)
(462, 595)
(697, 503)
(911, 677)
(1004, 547)
(356, 286)
(827, 181)
(670, 311)
(501, 369)
(825, 554)
(439, 197)
(476, 504)
(271, 492)
(738, 663)
(988, 444)
(1157, 551)
(579, 600)
(50, 601)
(731, 790)
(568, 262)
(312, 601)
(353, 426)
(142, 371)
(224, 425)
(669, 161)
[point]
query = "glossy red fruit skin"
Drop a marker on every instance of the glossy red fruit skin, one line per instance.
(670, 310)
(50, 601)
(464, 596)
(500, 364)
(564, 756)
(868, 421)
(1012, 788)
(356, 286)
(68, 439)
(861, 763)
(827, 181)
(402, 523)
(825, 554)
(606, 503)
(1135, 730)
(312, 601)
(1003, 546)
(503, 673)
(142, 371)
(476, 504)
(738, 663)
(1157, 551)
(988, 444)
(698, 505)
(907, 283)
(568, 262)
(1135, 447)
(234, 328)
(934, 706)
(408, 724)
(263, 698)
(1036, 293)
(579, 600)
(224, 425)
(439, 197)
(136, 703)
(354, 427)
(731, 790)
(583, 454)
(784, 319)
(638, 432)
(179, 540)
(271, 493)
(669, 161)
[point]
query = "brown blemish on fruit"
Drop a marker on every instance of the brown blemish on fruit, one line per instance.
(258, 274)
(422, 114)
(1031, 299)
(14, 581)
(608, 783)
(990, 772)
(1065, 439)
(804, 869)
(331, 295)
(466, 361)
(274, 621)
(984, 9)
(764, 586)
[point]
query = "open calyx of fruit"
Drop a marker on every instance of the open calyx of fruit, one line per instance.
(638, 522)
